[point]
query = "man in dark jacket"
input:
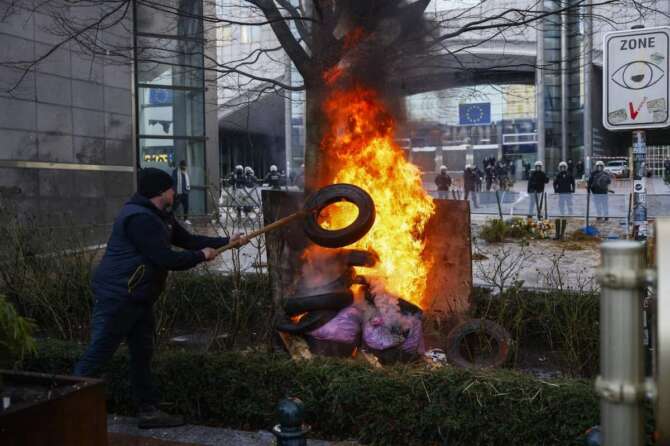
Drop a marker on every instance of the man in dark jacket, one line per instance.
(580, 169)
(536, 182)
(470, 184)
(443, 183)
(564, 185)
(501, 174)
(598, 185)
(182, 187)
(490, 175)
(129, 279)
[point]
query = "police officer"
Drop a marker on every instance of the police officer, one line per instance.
(501, 174)
(130, 278)
(598, 186)
(490, 175)
(536, 182)
(237, 181)
(273, 178)
(250, 179)
(470, 184)
(443, 183)
(564, 185)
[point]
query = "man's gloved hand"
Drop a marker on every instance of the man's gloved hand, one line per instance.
(210, 253)
(238, 237)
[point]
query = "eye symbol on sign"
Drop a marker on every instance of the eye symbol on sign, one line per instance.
(637, 75)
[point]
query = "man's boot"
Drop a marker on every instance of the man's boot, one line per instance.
(150, 417)
(557, 223)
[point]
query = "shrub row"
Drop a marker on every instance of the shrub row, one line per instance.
(402, 405)
(561, 321)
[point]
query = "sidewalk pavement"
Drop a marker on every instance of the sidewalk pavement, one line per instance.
(123, 431)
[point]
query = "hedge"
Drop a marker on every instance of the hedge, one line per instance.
(402, 405)
(565, 322)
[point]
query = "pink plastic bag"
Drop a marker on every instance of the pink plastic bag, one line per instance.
(345, 327)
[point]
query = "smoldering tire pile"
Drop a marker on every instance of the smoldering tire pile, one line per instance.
(334, 323)
(325, 311)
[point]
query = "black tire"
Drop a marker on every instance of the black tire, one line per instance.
(329, 301)
(472, 327)
(341, 284)
(345, 236)
(408, 308)
(311, 321)
(359, 257)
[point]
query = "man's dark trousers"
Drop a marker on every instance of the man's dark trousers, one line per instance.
(182, 199)
(116, 320)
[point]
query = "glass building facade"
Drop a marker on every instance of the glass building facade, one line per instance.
(563, 82)
(170, 91)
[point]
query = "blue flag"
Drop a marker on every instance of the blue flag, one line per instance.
(474, 114)
(160, 96)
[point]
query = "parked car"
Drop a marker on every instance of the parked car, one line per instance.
(617, 168)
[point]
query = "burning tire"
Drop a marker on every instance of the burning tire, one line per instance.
(345, 236)
(330, 301)
(310, 321)
(469, 344)
(359, 257)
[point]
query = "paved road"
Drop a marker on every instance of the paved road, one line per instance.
(123, 432)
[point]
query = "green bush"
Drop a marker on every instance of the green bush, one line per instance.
(15, 335)
(493, 231)
(239, 308)
(556, 320)
(402, 405)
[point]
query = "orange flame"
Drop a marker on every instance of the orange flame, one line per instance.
(361, 151)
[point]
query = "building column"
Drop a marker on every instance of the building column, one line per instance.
(564, 82)
(539, 86)
(588, 86)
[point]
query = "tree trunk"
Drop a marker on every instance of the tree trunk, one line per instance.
(316, 125)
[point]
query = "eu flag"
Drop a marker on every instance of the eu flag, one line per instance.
(160, 96)
(474, 114)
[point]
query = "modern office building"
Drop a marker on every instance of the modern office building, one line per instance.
(522, 71)
(91, 92)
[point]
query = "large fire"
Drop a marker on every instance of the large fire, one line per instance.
(360, 150)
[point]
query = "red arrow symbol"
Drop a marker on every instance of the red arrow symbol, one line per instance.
(634, 112)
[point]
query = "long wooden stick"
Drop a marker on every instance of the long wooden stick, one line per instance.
(274, 225)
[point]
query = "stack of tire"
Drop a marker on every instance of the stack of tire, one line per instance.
(326, 315)
(314, 307)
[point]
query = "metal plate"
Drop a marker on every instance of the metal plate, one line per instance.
(663, 331)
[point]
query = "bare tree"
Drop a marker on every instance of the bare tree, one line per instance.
(329, 42)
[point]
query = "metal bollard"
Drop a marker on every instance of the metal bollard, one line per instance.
(621, 384)
(291, 431)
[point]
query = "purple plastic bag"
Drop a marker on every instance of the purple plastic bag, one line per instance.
(414, 342)
(345, 327)
(377, 336)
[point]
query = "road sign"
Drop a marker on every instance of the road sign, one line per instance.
(636, 78)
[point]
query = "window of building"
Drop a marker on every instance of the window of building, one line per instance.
(170, 91)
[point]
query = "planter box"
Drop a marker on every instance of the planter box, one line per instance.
(73, 413)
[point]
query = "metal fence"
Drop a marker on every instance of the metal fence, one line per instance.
(550, 205)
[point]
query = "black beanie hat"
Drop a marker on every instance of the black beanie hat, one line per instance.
(152, 182)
